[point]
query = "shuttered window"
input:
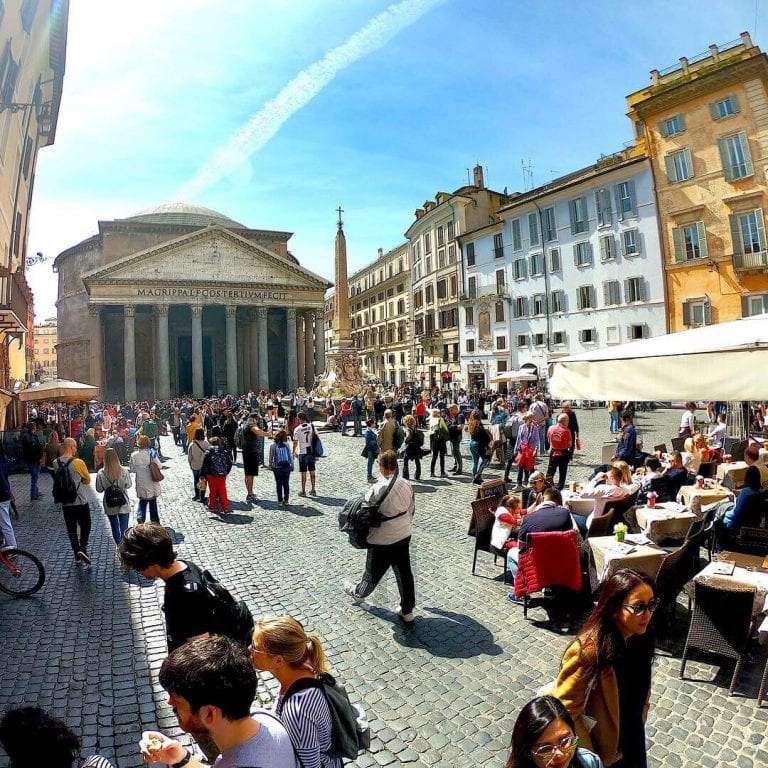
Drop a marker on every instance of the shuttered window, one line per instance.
(607, 248)
(533, 228)
(626, 205)
(754, 305)
(735, 156)
(722, 108)
(611, 293)
(690, 241)
(517, 239)
(671, 126)
(603, 205)
(634, 290)
(578, 214)
(679, 166)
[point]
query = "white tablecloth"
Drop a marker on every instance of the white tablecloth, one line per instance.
(606, 559)
(707, 495)
(664, 521)
(736, 470)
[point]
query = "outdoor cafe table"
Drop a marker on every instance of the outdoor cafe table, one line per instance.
(735, 470)
(707, 495)
(667, 520)
(747, 570)
(606, 559)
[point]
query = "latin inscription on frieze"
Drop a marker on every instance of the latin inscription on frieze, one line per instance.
(212, 294)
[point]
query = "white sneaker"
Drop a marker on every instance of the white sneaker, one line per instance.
(350, 588)
(407, 618)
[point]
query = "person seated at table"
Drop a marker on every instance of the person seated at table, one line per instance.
(626, 472)
(645, 475)
(667, 485)
(752, 457)
(532, 496)
(697, 453)
(551, 515)
(746, 511)
(604, 488)
(509, 515)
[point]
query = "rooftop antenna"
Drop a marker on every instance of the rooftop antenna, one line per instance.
(469, 180)
(527, 175)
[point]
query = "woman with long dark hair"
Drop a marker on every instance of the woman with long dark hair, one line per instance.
(605, 674)
(479, 439)
(545, 736)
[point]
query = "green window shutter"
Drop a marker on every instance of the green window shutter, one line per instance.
(744, 141)
(681, 120)
(722, 145)
(576, 254)
(713, 111)
(626, 290)
(707, 312)
(761, 228)
(765, 302)
(702, 239)
(533, 228)
(663, 129)
(677, 239)
(606, 294)
(669, 162)
(572, 213)
(735, 102)
(686, 313)
(688, 162)
(745, 306)
(642, 294)
(632, 197)
(617, 196)
(592, 296)
(738, 247)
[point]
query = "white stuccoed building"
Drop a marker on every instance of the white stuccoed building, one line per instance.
(568, 267)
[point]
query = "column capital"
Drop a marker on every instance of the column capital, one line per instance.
(197, 310)
(231, 310)
(291, 313)
(161, 310)
(262, 312)
(319, 314)
(94, 310)
(129, 310)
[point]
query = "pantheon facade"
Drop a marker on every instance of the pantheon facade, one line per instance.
(181, 299)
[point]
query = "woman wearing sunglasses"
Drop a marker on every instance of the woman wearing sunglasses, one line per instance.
(544, 736)
(281, 647)
(605, 674)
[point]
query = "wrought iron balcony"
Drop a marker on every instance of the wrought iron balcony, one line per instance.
(15, 301)
(750, 262)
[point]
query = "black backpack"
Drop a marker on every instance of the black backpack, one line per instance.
(31, 450)
(357, 517)
(64, 488)
(114, 496)
(231, 618)
(218, 463)
(350, 733)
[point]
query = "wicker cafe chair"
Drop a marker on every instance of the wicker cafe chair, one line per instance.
(722, 621)
(480, 526)
(707, 469)
(660, 448)
(600, 525)
(678, 443)
(763, 685)
(753, 541)
(675, 572)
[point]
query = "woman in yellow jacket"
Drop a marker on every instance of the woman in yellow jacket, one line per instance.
(605, 675)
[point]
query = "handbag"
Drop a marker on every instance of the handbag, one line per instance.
(202, 484)
(364, 452)
(155, 472)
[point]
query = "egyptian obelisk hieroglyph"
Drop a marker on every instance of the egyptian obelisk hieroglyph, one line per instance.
(343, 377)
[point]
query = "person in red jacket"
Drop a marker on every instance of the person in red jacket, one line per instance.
(559, 438)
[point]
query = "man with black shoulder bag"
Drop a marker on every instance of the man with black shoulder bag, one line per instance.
(389, 543)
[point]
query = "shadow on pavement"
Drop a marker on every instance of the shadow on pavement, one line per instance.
(446, 634)
(330, 501)
(232, 518)
(298, 509)
(176, 536)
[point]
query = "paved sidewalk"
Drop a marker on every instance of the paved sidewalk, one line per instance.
(446, 693)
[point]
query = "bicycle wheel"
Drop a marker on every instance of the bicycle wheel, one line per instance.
(21, 573)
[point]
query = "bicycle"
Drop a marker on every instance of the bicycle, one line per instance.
(21, 573)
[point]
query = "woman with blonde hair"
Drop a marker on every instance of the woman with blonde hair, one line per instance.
(438, 438)
(114, 480)
(147, 489)
(626, 472)
(296, 660)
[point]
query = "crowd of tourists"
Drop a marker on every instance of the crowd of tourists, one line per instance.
(592, 714)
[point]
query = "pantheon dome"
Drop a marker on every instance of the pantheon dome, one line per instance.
(185, 215)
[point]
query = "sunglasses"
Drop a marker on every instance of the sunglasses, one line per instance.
(640, 608)
(565, 745)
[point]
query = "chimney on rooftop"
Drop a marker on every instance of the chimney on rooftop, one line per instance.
(478, 172)
(381, 252)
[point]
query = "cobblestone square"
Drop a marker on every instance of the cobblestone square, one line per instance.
(88, 646)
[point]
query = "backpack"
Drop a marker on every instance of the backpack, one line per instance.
(231, 618)
(398, 437)
(31, 450)
(316, 445)
(218, 464)
(64, 488)
(418, 437)
(114, 496)
(282, 457)
(511, 428)
(240, 437)
(350, 734)
(357, 517)
(440, 433)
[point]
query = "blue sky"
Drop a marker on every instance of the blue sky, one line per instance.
(154, 91)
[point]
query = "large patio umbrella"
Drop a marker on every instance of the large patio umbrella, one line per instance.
(59, 390)
(726, 361)
(507, 376)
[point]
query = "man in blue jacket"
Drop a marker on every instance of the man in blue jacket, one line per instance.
(627, 446)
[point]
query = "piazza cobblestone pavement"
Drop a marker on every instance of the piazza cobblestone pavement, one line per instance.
(445, 693)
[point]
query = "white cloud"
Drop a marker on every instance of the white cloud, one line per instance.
(301, 90)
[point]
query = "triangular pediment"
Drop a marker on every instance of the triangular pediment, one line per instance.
(214, 255)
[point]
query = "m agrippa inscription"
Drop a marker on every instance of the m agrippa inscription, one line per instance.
(213, 293)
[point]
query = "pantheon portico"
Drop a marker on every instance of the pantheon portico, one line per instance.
(181, 300)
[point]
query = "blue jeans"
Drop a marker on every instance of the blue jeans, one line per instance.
(614, 426)
(282, 483)
(196, 480)
(6, 527)
(478, 462)
(119, 525)
(358, 425)
(34, 474)
(141, 512)
(371, 461)
(343, 424)
(542, 429)
(183, 436)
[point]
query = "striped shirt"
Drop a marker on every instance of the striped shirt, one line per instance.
(96, 761)
(307, 719)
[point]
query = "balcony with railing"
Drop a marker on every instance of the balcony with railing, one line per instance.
(15, 301)
(756, 261)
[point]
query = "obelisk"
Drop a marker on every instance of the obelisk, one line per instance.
(343, 377)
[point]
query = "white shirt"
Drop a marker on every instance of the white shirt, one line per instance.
(686, 420)
(303, 436)
(399, 499)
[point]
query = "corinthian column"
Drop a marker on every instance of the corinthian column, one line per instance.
(309, 367)
(163, 377)
(290, 332)
(261, 329)
(129, 353)
(96, 351)
(231, 329)
(319, 342)
(197, 350)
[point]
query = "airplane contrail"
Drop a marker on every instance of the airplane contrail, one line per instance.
(301, 90)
